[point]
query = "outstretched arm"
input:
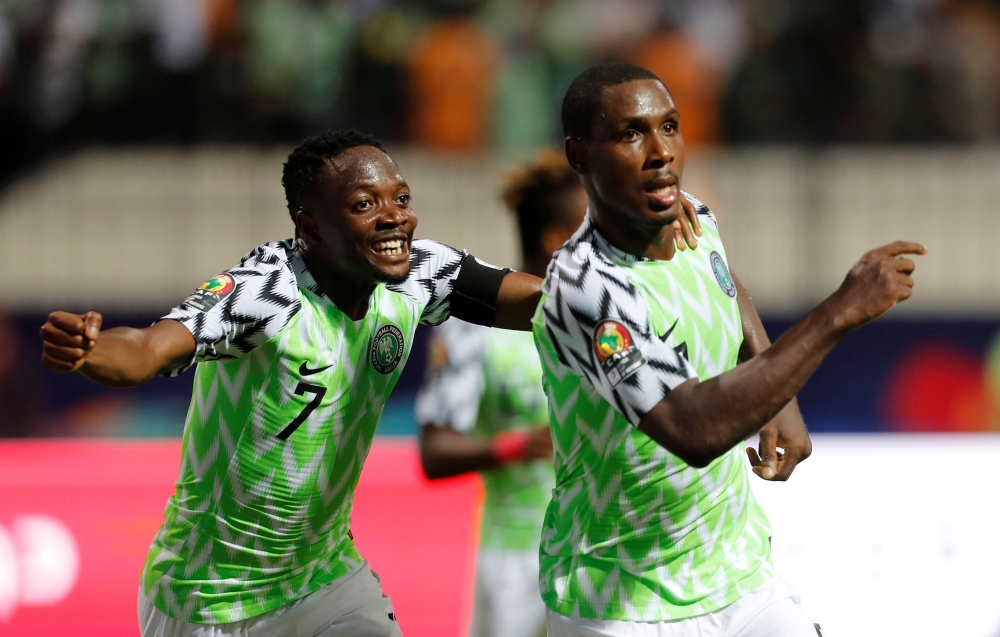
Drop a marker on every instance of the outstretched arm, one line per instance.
(119, 357)
(786, 430)
(445, 452)
(700, 421)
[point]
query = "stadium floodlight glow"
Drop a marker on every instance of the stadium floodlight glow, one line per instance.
(39, 563)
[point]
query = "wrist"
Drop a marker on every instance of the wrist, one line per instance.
(510, 446)
(835, 317)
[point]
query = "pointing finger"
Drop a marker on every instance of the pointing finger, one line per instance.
(902, 247)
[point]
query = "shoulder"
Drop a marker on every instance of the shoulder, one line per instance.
(265, 277)
(585, 280)
(432, 259)
(704, 214)
(432, 265)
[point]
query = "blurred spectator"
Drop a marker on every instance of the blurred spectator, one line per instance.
(451, 71)
(20, 412)
(693, 83)
(297, 54)
(462, 74)
(968, 68)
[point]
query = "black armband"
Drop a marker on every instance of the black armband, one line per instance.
(474, 295)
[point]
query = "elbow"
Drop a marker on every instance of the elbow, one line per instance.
(699, 460)
(433, 469)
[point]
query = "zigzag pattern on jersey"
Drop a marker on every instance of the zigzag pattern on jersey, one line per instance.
(262, 302)
(584, 287)
(257, 521)
(433, 269)
(632, 532)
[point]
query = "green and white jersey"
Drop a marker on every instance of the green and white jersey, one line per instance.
(287, 394)
(482, 381)
(632, 532)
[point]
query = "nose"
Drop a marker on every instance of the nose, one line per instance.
(393, 216)
(659, 153)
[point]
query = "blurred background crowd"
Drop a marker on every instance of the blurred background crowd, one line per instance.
(838, 121)
(461, 75)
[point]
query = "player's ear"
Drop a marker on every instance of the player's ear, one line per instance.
(576, 154)
(306, 230)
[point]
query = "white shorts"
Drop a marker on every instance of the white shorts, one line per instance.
(507, 602)
(772, 610)
(353, 606)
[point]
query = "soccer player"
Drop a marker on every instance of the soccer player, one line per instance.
(297, 349)
(482, 409)
(652, 528)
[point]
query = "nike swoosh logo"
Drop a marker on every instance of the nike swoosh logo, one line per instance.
(305, 371)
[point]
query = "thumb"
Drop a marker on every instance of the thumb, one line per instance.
(92, 322)
(768, 466)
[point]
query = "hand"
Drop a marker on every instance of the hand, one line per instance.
(788, 432)
(539, 445)
(878, 281)
(67, 339)
(687, 226)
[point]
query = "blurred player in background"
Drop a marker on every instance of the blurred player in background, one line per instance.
(652, 528)
(482, 408)
(297, 349)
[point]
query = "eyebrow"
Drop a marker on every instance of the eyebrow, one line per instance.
(640, 121)
(368, 184)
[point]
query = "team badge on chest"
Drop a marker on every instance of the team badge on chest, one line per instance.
(387, 349)
(721, 273)
(617, 354)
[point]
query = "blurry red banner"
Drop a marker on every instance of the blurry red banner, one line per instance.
(76, 519)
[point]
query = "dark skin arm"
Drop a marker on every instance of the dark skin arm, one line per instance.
(119, 357)
(786, 430)
(700, 421)
(445, 452)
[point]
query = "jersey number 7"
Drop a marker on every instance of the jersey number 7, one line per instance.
(303, 388)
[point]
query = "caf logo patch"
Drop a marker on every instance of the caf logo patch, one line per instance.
(616, 352)
(220, 284)
(387, 349)
(211, 292)
(721, 273)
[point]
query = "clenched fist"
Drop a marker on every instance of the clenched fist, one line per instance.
(67, 339)
(878, 281)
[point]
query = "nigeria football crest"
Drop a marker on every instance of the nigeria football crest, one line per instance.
(722, 274)
(387, 349)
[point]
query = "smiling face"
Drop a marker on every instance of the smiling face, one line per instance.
(356, 217)
(632, 158)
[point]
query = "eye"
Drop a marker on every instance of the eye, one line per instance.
(670, 127)
(630, 135)
(364, 204)
(403, 199)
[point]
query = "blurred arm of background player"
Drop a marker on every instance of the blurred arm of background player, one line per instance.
(550, 204)
(787, 430)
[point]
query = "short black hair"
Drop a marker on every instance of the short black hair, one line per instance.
(531, 193)
(582, 101)
(309, 156)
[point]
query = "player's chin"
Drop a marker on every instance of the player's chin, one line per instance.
(392, 272)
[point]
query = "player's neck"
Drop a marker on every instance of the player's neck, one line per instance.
(350, 291)
(642, 240)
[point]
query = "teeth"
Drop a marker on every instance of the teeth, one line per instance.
(390, 248)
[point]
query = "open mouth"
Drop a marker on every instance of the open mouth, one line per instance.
(665, 193)
(390, 247)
